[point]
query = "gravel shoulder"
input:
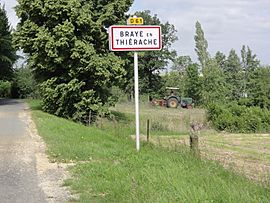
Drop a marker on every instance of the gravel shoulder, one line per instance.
(26, 174)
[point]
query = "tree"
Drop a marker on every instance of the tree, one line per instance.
(193, 83)
(259, 87)
(7, 52)
(181, 63)
(249, 60)
(24, 83)
(67, 45)
(234, 76)
(221, 60)
(174, 79)
(153, 62)
(214, 84)
(177, 76)
(201, 46)
(5, 88)
(249, 63)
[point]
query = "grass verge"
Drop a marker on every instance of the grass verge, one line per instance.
(108, 168)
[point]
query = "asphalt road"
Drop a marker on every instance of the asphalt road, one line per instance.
(19, 181)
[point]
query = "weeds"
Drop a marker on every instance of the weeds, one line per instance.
(108, 168)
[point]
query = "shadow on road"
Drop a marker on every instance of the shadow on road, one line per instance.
(9, 101)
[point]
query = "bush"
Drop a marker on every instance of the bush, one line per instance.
(5, 88)
(24, 84)
(240, 119)
(68, 100)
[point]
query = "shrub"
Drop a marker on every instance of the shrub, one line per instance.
(5, 88)
(24, 85)
(68, 100)
(240, 119)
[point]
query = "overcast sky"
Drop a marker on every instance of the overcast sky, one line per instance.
(227, 24)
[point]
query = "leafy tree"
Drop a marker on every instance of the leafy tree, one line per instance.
(193, 83)
(5, 88)
(259, 87)
(153, 62)
(7, 52)
(24, 83)
(181, 63)
(214, 84)
(67, 44)
(249, 60)
(174, 79)
(249, 63)
(201, 46)
(234, 76)
(221, 59)
(177, 76)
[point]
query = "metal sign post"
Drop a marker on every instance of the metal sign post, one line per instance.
(137, 109)
(135, 37)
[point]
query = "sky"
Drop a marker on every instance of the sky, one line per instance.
(227, 24)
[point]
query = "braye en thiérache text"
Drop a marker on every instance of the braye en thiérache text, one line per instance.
(133, 38)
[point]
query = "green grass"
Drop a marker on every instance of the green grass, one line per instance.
(163, 121)
(109, 169)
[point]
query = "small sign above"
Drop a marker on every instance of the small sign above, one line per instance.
(135, 38)
(135, 21)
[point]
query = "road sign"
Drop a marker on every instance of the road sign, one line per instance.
(135, 38)
(135, 21)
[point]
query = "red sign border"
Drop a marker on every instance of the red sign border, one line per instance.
(132, 27)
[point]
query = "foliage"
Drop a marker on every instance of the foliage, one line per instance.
(181, 63)
(153, 62)
(221, 59)
(235, 118)
(201, 46)
(70, 102)
(7, 52)
(119, 95)
(249, 60)
(5, 88)
(174, 79)
(259, 87)
(24, 84)
(213, 83)
(193, 84)
(234, 76)
(68, 40)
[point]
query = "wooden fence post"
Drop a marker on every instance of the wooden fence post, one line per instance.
(194, 143)
(148, 130)
(89, 117)
(194, 137)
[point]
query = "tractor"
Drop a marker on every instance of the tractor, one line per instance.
(173, 100)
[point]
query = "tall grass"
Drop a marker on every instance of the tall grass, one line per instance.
(109, 169)
(163, 121)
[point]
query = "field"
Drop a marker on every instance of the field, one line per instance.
(107, 168)
(248, 154)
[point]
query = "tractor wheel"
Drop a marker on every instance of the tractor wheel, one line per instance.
(189, 106)
(172, 103)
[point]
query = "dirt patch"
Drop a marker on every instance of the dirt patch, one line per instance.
(236, 155)
(51, 175)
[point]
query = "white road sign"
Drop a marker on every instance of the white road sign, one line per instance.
(135, 38)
